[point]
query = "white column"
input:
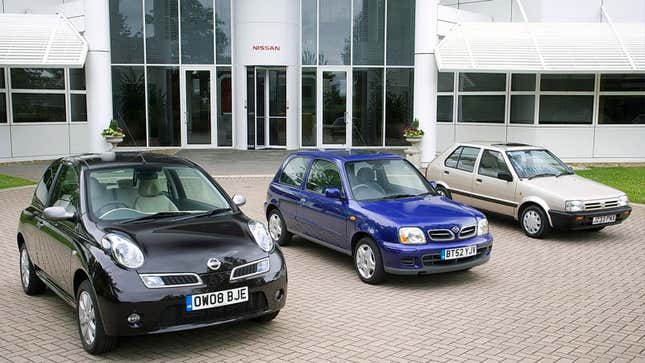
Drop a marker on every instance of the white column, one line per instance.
(425, 76)
(293, 111)
(97, 72)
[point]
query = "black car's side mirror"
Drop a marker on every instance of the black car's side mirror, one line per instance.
(58, 214)
(239, 200)
(333, 193)
(505, 175)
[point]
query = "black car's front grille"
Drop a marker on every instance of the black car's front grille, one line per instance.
(170, 280)
(434, 259)
(215, 279)
(177, 314)
(245, 270)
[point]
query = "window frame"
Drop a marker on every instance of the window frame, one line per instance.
(462, 147)
(308, 174)
(481, 157)
(600, 93)
(459, 93)
(63, 167)
(308, 162)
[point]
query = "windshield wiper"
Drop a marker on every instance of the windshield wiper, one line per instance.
(397, 196)
(156, 216)
(207, 213)
(541, 175)
(565, 173)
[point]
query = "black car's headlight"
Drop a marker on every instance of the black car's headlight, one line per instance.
(124, 252)
(261, 235)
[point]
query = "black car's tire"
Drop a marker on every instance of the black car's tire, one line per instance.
(86, 313)
(267, 317)
(278, 228)
(31, 283)
(368, 262)
(534, 222)
(596, 229)
(441, 190)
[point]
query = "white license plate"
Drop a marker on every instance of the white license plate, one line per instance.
(604, 219)
(217, 299)
(461, 252)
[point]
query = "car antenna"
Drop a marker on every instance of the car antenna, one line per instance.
(134, 141)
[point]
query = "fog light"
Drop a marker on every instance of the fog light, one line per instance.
(579, 218)
(134, 320)
(279, 295)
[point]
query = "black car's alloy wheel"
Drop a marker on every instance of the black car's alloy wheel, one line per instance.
(30, 282)
(368, 262)
(90, 325)
(534, 222)
(278, 229)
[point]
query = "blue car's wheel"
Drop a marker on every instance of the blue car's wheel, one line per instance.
(278, 229)
(368, 262)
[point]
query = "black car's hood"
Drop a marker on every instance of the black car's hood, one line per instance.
(186, 246)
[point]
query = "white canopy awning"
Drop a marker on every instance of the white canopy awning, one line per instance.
(36, 40)
(543, 47)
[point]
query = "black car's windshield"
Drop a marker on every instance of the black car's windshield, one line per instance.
(536, 163)
(385, 179)
(152, 192)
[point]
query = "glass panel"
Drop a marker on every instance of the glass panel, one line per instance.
(126, 31)
(523, 82)
(250, 106)
(294, 172)
(334, 31)
(309, 107)
(562, 109)
(467, 159)
(163, 106)
(400, 32)
(488, 108)
(492, 163)
(162, 29)
(224, 107)
(198, 107)
(567, 82)
(223, 31)
(399, 91)
(334, 107)
(369, 31)
(622, 110)
(66, 190)
(444, 109)
(38, 78)
(278, 92)
(309, 31)
(367, 107)
(277, 131)
(77, 79)
(1, 77)
(79, 107)
(522, 109)
(129, 103)
(38, 107)
(3, 108)
(622, 82)
(453, 159)
(446, 82)
(323, 174)
(197, 31)
(260, 105)
(482, 82)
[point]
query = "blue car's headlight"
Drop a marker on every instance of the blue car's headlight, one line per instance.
(411, 236)
(261, 235)
(482, 226)
(124, 252)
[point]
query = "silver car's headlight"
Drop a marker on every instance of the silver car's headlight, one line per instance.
(411, 236)
(124, 252)
(574, 206)
(482, 226)
(261, 235)
(623, 201)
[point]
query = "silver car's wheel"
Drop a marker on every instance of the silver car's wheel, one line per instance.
(275, 227)
(24, 268)
(532, 222)
(87, 317)
(365, 261)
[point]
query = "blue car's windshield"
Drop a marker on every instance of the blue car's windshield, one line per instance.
(385, 179)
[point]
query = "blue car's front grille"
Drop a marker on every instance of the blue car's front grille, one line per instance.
(434, 259)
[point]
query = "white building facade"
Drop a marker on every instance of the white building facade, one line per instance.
(289, 74)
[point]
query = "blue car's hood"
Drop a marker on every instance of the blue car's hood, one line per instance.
(428, 212)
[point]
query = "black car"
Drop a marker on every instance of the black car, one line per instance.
(144, 243)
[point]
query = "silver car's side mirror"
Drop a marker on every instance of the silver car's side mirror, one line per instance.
(58, 214)
(239, 200)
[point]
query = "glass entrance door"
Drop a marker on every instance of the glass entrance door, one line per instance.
(270, 109)
(198, 106)
(334, 115)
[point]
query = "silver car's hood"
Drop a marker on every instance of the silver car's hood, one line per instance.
(574, 187)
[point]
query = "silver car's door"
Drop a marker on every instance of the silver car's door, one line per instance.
(494, 185)
(457, 172)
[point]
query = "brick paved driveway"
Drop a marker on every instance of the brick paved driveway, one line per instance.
(569, 297)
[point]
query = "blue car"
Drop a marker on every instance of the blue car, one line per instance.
(377, 208)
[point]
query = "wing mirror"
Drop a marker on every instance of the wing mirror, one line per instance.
(433, 184)
(333, 193)
(239, 200)
(59, 214)
(505, 175)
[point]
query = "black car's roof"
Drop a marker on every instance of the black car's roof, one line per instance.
(101, 160)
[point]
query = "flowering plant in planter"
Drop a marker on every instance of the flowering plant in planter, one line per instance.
(114, 131)
(413, 131)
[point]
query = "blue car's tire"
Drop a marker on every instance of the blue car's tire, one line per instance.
(278, 228)
(368, 262)
(90, 324)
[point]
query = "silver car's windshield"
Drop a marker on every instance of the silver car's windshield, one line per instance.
(385, 179)
(536, 163)
(130, 193)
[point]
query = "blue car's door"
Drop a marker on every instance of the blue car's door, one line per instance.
(322, 217)
(287, 191)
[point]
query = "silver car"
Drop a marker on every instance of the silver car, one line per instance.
(528, 183)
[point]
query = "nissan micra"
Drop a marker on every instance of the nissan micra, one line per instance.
(143, 243)
(378, 209)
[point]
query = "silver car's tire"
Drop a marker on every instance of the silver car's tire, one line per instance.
(534, 222)
(31, 284)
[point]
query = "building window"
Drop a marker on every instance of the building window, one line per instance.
(523, 88)
(566, 98)
(335, 29)
(38, 78)
(367, 107)
(224, 107)
(309, 31)
(162, 31)
(129, 103)
(445, 97)
(126, 31)
(163, 106)
(400, 32)
(369, 32)
(309, 99)
(3, 98)
(482, 97)
(622, 99)
(38, 95)
(78, 100)
(197, 37)
(223, 31)
(399, 93)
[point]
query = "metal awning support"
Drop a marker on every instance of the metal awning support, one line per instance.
(605, 15)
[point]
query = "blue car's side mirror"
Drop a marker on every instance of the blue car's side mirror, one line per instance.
(433, 184)
(333, 193)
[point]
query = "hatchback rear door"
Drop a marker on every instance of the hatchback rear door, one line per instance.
(287, 191)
